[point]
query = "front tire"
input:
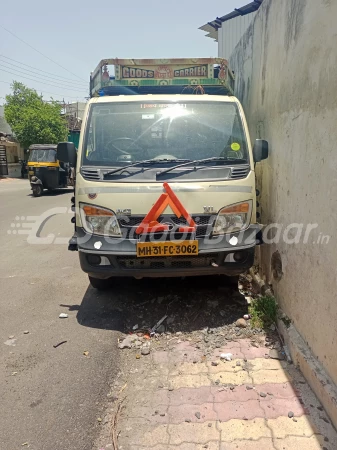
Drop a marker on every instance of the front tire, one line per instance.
(99, 284)
(37, 190)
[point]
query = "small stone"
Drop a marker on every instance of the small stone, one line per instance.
(160, 386)
(226, 356)
(162, 414)
(320, 408)
(214, 363)
(255, 344)
(156, 412)
(11, 337)
(241, 323)
(246, 316)
(209, 425)
(217, 382)
(238, 363)
(197, 415)
(249, 388)
(294, 420)
(170, 389)
(26, 332)
(263, 395)
(290, 414)
(99, 419)
(179, 333)
(269, 393)
(145, 351)
(188, 420)
(135, 327)
(232, 388)
(63, 316)
(326, 439)
(272, 327)
(127, 342)
(137, 356)
(274, 354)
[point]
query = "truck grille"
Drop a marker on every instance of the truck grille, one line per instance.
(180, 262)
(203, 222)
(239, 172)
(90, 174)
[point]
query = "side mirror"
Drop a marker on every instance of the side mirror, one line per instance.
(66, 152)
(260, 150)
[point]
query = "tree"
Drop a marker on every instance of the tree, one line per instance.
(32, 120)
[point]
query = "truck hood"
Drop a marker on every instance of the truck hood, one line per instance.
(139, 198)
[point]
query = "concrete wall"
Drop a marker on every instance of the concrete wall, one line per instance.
(285, 67)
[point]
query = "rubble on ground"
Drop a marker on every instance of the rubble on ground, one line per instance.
(206, 317)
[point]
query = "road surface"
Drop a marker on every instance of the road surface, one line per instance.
(51, 397)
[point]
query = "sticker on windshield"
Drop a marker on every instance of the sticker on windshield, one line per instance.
(235, 146)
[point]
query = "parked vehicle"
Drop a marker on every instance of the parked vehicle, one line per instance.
(165, 180)
(45, 171)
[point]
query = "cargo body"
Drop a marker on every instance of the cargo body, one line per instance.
(165, 183)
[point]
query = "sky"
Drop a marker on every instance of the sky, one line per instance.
(67, 39)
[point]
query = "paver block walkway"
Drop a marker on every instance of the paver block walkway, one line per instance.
(179, 400)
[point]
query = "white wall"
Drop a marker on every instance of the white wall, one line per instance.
(286, 78)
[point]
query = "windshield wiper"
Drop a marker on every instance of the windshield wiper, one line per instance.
(199, 161)
(146, 161)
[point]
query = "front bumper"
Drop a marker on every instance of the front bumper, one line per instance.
(116, 258)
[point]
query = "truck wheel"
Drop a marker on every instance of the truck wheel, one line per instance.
(37, 190)
(99, 284)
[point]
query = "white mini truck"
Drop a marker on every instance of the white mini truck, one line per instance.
(165, 180)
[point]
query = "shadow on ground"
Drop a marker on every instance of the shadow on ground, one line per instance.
(53, 193)
(191, 304)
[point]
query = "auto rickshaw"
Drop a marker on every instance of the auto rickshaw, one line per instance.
(45, 171)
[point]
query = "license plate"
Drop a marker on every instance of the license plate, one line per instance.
(147, 249)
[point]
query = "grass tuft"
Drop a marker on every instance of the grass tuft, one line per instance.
(263, 311)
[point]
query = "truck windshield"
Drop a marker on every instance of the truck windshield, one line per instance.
(121, 133)
(42, 155)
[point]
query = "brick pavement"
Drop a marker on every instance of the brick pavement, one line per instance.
(178, 400)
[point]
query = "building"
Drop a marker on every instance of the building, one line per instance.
(229, 29)
(10, 150)
(74, 113)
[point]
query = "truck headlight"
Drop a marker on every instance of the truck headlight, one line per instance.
(234, 218)
(99, 221)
